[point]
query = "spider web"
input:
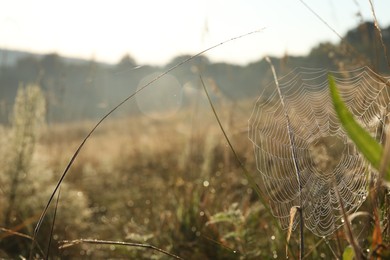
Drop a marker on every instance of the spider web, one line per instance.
(326, 158)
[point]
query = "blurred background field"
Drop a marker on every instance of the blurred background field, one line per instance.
(159, 170)
(174, 184)
(143, 180)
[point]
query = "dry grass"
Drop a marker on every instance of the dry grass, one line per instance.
(154, 181)
(173, 184)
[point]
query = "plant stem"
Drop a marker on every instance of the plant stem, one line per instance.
(294, 156)
(301, 238)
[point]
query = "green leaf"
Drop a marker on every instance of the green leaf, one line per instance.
(366, 144)
(348, 253)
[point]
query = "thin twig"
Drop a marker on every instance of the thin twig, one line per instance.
(355, 246)
(66, 243)
(15, 233)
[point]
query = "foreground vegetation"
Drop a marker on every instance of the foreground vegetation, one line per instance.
(173, 184)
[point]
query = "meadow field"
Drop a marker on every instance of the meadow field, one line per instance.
(171, 183)
(221, 174)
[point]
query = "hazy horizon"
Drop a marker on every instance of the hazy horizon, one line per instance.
(153, 32)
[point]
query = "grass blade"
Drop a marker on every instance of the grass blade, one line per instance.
(371, 150)
(366, 144)
(348, 253)
(384, 170)
(52, 225)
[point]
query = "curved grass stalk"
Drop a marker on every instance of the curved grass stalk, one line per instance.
(250, 179)
(74, 156)
(66, 244)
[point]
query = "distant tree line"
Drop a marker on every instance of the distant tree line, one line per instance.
(86, 89)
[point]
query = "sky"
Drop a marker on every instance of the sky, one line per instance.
(155, 31)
